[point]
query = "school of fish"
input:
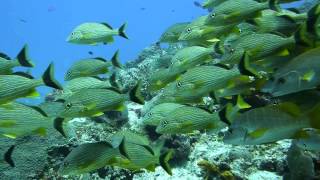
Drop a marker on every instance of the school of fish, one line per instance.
(257, 61)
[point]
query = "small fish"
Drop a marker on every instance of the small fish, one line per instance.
(93, 102)
(22, 59)
(93, 33)
(230, 12)
(209, 33)
(17, 120)
(143, 156)
(91, 67)
(259, 46)
(275, 22)
(187, 119)
(184, 59)
(301, 73)
(90, 52)
(7, 157)
(23, 20)
(172, 33)
(198, 82)
(308, 139)
(80, 83)
(159, 112)
(89, 157)
(23, 85)
(269, 124)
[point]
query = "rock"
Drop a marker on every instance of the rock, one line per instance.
(300, 164)
(264, 175)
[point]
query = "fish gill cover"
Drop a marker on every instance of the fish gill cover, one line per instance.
(232, 94)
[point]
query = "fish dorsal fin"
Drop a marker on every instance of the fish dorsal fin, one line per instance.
(39, 110)
(23, 74)
(106, 24)
(100, 59)
(8, 155)
(4, 56)
(60, 100)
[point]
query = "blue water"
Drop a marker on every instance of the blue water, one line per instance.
(45, 24)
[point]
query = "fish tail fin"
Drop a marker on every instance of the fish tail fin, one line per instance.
(135, 94)
(113, 81)
(23, 58)
(115, 60)
(307, 35)
(58, 125)
(223, 114)
(164, 161)
(311, 23)
(274, 5)
(314, 117)
(8, 156)
(244, 66)
(48, 78)
(122, 31)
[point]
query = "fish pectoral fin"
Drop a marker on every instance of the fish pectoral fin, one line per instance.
(109, 40)
(186, 124)
(308, 76)
(7, 106)
(7, 123)
(258, 133)
(151, 167)
(33, 94)
(10, 135)
(231, 15)
(121, 108)
(91, 106)
(241, 103)
(213, 40)
(98, 114)
(41, 131)
(284, 52)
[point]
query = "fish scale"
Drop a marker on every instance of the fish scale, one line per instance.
(96, 99)
(79, 161)
(196, 83)
(26, 120)
(15, 86)
(139, 156)
(187, 119)
(87, 67)
(257, 45)
(85, 83)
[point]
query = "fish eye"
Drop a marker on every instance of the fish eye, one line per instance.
(68, 105)
(240, 31)
(150, 114)
(232, 50)
(213, 15)
(189, 30)
(281, 81)
(179, 84)
(164, 123)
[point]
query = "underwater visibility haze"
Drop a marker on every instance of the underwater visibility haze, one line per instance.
(136, 89)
